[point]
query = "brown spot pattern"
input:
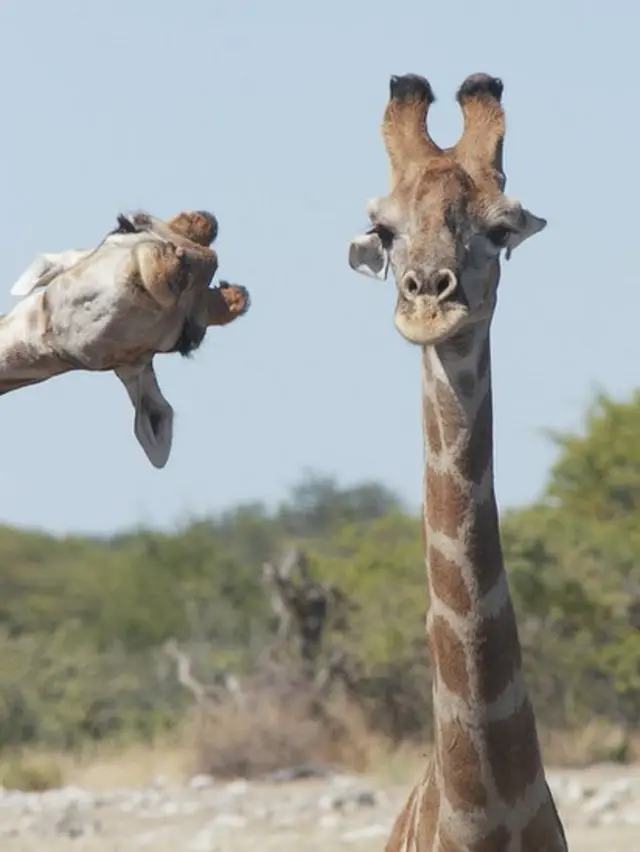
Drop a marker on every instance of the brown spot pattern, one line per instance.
(496, 841)
(467, 383)
(428, 816)
(461, 768)
(513, 753)
(432, 429)
(483, 546)
(433, 657)
(498, 654)
(449, 658)
(451, 414)
(447, 583)
(484, 362)
(478, 454)
(403, 826)
(462, 343)
(423, 829)
(544, 831)
(447, 844)
(446, 503)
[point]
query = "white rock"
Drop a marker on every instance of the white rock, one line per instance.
(325, 803)
(169, 809)
(621, 787)
(601, 802)
(145, 839)
(349, 799)
(284, 820)
(574, 792)
(237, 788)
(231, 820)
(203, 842)
(201, 782)
(368, 831)
(631, 817)
(343, 781)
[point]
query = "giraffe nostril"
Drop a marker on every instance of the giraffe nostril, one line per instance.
(445, 284)
(410, 285)
(442, 283)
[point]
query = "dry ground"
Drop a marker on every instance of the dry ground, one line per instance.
(600, 806)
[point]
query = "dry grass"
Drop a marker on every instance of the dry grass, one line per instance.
(272, 734)
(597, 742)
(31, 772)
(103, 767)
(134, 766)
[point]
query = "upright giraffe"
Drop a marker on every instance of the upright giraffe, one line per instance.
(441, 230)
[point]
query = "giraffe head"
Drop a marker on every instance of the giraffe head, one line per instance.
(446, 220)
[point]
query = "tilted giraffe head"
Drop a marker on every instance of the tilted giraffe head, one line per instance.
(446, 219)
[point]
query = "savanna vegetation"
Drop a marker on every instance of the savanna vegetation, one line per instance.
(89, 627)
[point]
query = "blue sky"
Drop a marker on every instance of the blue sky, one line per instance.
(268, 114)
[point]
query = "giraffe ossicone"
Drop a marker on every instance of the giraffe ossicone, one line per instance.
(441, 230)
(144, 290)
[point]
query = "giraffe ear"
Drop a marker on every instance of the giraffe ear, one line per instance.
(368, 255)
(153, 419)
(526, 226)
(44, 269)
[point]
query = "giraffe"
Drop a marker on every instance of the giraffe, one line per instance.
(143, 290)
(441, 230)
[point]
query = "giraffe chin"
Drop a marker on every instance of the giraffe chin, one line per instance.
(427, 326)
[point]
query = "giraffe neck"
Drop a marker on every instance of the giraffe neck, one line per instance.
(486, 748)
(25, 355)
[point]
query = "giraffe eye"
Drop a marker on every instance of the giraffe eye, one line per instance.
(499, 236)
(386, 235)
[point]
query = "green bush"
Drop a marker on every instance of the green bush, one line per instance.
(82, 620)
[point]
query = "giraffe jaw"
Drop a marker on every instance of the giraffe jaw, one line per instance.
(424, 322)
